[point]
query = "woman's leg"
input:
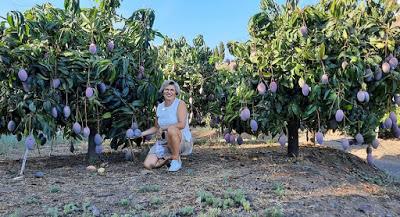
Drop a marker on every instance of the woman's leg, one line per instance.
(152, 161)
(174, 137)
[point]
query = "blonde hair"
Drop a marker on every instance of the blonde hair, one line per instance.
(170, 82)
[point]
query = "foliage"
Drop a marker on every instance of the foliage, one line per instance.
(345, 41)
(66, 51)
(193, 69)
(186, 211)
(231, 198)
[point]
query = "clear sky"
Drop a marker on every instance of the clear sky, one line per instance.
(216, 20)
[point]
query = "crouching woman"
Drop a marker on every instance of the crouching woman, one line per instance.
(172, 129)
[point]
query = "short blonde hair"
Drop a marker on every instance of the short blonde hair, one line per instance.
(170, 82)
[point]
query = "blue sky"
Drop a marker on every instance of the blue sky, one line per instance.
(216, 20)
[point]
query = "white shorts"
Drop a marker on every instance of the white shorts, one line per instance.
(161, 149)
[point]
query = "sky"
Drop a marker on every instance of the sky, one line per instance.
(216, 20)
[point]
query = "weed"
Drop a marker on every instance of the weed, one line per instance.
(123, 202)
(167, 213)
(52, 211)
(70, 208)
(279, 189)
(228, 203)
(186, 211)
(32, 200)
(212, 212)
(231, 199)
(54, 189)
(155, 201)
(273, 212)
(203, 195)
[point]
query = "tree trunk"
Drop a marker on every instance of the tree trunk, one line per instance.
(91, 154)
(293, 137)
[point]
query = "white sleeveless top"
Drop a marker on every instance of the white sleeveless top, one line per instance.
(169, 115)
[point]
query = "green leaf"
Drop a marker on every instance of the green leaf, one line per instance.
(295, 109)
(310, 109)
(32, 107)
(106, 115)
(322, 51)
(344, 34)
(137, 103)
(326, 94)
(348, 107)
(10, 20)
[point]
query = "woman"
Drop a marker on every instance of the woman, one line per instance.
(172, 123)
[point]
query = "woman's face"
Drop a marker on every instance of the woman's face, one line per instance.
(169, 92)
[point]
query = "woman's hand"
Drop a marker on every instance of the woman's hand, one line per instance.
(162, 132)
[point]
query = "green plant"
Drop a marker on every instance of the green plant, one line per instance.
(203, 195)
(77, 80)
(273, 212)
(123, 202)
(246, 205)
(186, 211)
(52, 211)
(191, 67)
(319, 77)
(167, 213)
(155, 200)
(54, 189)
(212, 212)
(86, 209)
(279, 189)
(70, 208)
(231, 198)
(33, 200)
(228, 203)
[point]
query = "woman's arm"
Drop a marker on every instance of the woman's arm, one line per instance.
(182, 114)
(151, 130)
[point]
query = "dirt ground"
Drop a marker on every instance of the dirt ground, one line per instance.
(254, 179)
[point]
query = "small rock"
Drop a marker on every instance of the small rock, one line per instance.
(95, 211)
(91, 168)
(39, 174)
(101, 171)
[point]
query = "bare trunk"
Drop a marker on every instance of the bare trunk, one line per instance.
(293, 137)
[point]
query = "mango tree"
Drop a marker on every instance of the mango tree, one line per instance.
(332, 65)
(192, 67)
(73, 70)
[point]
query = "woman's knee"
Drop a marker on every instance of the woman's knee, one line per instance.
(150, 161)
(148, 165)
(172, 130)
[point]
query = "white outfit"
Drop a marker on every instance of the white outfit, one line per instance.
(166, 116)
